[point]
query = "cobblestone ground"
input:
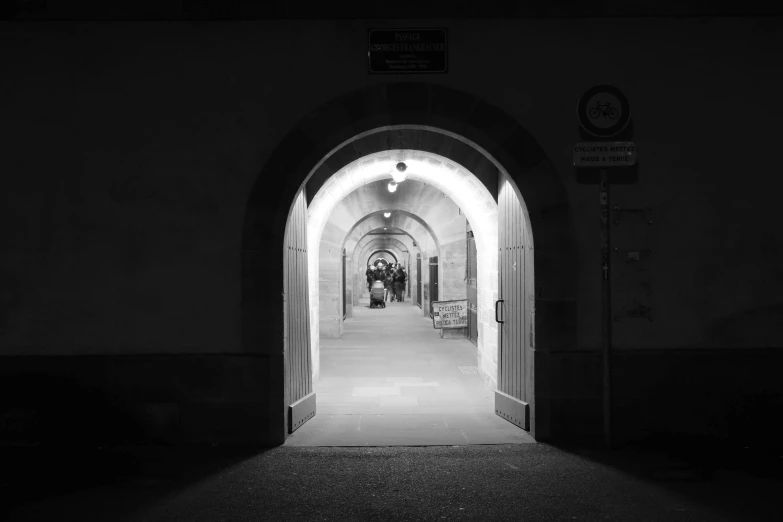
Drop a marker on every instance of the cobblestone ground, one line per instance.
(498, 482)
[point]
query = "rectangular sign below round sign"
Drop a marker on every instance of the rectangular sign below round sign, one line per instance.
(604, 154)
(450, 314)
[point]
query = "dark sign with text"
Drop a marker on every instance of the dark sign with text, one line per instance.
(408, 51)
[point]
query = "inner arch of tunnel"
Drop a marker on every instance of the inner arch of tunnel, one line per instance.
(341, 232)
(381, 255)
(393, 246)
(357, 285)
(467, 193)
(358, 212)
(354, 216)
(413, 225)
(369, 251)
(419, 238)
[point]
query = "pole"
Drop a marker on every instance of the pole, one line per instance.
(606, 310)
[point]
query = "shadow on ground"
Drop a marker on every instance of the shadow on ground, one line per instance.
(740, 480)
(540, 481)
(33, 474)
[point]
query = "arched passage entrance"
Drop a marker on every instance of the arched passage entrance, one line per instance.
(407, 116)
(436, 176)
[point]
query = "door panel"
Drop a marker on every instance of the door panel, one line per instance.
(344, 288)
(298, 365)
(433, 281)
(511, 400)
(418, 280)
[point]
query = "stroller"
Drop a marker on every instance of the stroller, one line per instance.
(376, 295)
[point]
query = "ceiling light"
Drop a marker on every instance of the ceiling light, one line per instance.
(399, 174)
(392, 186)
(387, 214)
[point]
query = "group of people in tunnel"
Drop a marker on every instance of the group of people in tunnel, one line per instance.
(393, 277)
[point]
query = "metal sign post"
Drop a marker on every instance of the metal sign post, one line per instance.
(603, 111)
(606, 309)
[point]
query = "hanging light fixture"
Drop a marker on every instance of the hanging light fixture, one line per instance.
(387, 214)
(392, 186)
(399, 174)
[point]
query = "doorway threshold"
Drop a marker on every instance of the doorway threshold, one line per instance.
(373, 429)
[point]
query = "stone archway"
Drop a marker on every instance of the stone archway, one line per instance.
(382, 255)
(424, 117)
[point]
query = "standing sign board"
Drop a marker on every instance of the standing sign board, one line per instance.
(450, 314)
(604, 154)
(396, 51)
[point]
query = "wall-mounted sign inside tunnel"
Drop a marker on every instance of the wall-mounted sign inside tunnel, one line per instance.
(407, 51)
(450, 314)
(603, 111)
(604, 153)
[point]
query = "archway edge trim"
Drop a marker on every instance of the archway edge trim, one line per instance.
(336, 123)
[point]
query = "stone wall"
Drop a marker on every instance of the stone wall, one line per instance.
(132, 152)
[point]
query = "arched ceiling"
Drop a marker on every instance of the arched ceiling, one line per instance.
(346, 194)
(381, 254)
(360, 260)
(411, 224)
(415, 198)
(369, 243)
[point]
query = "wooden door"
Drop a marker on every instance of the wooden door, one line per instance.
(300, 397)
(472, 288)
(511, 401)
(344, 287)
(433, 281)
(418, 280)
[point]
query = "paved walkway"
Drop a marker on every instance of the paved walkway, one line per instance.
(393, 381)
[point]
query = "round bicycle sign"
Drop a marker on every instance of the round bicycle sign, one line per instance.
(603, 111)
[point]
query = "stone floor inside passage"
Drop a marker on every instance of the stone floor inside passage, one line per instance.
(392, 380)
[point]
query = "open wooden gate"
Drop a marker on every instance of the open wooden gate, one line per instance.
(299, 394)
(511, 400)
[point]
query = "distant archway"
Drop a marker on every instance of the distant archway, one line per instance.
(374, 260)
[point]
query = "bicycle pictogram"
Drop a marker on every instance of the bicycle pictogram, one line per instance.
(603, 109)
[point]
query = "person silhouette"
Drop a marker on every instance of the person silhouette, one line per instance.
(399, 283)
